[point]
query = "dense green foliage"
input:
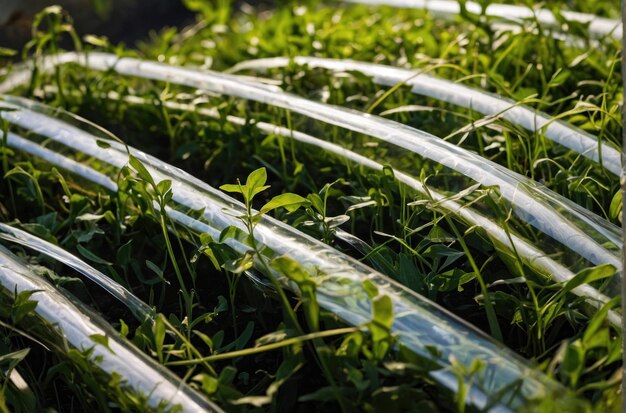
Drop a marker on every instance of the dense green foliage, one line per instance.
(198, 284)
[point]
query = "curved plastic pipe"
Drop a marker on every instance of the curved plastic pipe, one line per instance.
(566, 222)
(528, 253)
(139, 308)
(76, 326)
(598, 26)
(505, 383)
(464, 96)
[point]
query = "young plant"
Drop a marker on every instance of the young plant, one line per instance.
(255, 184)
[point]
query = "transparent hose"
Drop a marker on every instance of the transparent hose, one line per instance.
(464, 96)
(75, 326)
(598, 26)
(528, 253)
(139, 308)
(580, 231)
(505, 383)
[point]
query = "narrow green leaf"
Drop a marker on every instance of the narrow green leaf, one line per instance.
(587, 276)
(316, 202)
(13, 358)
(158, 329)
(615, 210)
(231, 188)
(598, 319)
(141, 170)
(154, 268)
(103, 144)
(91, 256)
(6, 52)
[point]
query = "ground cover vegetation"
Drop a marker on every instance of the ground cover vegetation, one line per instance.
(235, 334)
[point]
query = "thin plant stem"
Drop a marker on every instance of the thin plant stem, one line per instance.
(267, 347)
(491, 313)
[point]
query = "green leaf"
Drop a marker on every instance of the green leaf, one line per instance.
(587, 276)
(18, 170)
(89, 217)
(244, 336)
(292, 270)
(256, 401)
(101, 339)
(6, 52)
(615, 210)
(141, 170)
(252, 192)
(232, 188)
(438, 251)
(382, 308)
(232, 232)
(99, 41)
(12, 359)
(124, 254)
(255, 183)
(323, 394)
(23, 305)
(91, 256)
(158, 329)
(289, 201)
(257, 178)
(157, 270)
(124, 330)
(208, 384)
(205, 338)
(306, 284)
(164, 187)
(370, 289)
(316, 202)
(103, 144)
(598, 319)
(273, 337)
(573, 362)
(240, 264)
(382, 320)
(559, 78)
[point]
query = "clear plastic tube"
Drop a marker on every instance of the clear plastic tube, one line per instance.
(598, 26)
(139, 308)
(76, 326)
(464, 96)
(528, 253)
(580, 231)
(505, 383)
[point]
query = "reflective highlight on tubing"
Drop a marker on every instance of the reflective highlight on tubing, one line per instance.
(530, 255)
(76, 326)
(590, 236)
(506, 381)
(464, 96)
(139, 308)
(598, 26)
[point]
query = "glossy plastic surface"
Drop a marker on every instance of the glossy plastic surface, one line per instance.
(70, 323)
(506, 382)
(464, 96)
(574, 228)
